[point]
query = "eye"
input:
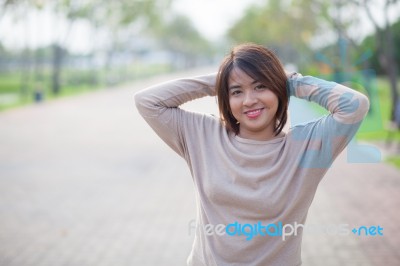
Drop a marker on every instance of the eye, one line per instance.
(260, 87)
(235, 92)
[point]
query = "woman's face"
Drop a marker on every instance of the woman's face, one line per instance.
(253, 105)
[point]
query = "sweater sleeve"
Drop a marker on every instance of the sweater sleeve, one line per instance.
(159, 106)
(329, 135)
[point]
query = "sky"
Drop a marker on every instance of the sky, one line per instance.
(213, 17)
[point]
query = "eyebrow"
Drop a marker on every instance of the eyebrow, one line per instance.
(233, 87)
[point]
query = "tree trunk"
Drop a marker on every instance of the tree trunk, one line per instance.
(386, 60)
(57, 64)
(25, 74)
(391, 70)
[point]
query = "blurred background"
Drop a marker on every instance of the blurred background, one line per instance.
(82, 177)
(51, 49)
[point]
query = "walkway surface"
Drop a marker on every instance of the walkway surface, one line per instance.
(84, 181)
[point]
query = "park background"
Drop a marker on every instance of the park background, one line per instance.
(56, 56)
(51, 49)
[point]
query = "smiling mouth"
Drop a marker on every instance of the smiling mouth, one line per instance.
(253, 113)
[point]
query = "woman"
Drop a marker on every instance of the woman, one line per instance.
(254, 182)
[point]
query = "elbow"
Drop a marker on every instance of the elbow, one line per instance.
(146, 103)
(358, 108)
(363, 105)
(140, 101)
(361, 108)
(137, 97)
(353, 108)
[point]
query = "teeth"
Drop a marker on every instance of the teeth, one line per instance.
(253, 112)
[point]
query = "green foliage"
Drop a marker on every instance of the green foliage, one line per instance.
(78, 77)
(180, 37)
(9, 82)
(376, 127)
(369, 42)
(286, 27)
(395, 160)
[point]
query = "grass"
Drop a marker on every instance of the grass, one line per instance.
(394, 160)
(9, 83)
(375, 126)
(16, 91)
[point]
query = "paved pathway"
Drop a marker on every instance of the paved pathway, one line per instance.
(84, 181)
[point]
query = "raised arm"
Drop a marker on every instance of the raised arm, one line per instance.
(159, 106)
(329, 135)
(346, 105)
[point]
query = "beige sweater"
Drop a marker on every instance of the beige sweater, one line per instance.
(249, 183)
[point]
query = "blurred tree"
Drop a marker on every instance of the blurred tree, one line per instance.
(287, 27)
(4, 5)
(369, 42)
(385, 43)
(111, 16)
(72, 10)
(121, 18)
(343, 17)
(19, 9)
(338, 17)
(182, 39)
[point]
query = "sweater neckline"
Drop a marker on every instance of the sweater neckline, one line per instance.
(259, 142)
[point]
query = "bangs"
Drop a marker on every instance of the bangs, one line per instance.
(253, 70)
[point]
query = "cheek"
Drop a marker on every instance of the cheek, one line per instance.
(276, 107)
(235, 106)
(276, 103)
(272, 100)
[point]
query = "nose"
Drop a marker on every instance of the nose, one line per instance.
(249, 99)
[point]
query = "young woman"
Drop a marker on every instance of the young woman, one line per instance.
(254, 182)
